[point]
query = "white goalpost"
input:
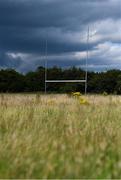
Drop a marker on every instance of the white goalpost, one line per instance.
(69, 81)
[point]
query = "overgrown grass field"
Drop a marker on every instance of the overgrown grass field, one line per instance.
(54, 136)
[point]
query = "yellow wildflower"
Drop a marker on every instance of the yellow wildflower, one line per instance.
(83, 101)
(76, 94)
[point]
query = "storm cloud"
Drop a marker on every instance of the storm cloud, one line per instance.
(25, 25)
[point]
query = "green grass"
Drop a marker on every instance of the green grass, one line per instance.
(54, 136)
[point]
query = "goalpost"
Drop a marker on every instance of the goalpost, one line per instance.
(69, 81)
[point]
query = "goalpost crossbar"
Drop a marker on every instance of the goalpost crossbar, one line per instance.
(65, 81)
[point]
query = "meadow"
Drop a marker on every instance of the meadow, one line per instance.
(55, 136)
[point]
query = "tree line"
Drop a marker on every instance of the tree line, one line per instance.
(98, 82)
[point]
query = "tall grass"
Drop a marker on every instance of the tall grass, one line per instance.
(54, 136)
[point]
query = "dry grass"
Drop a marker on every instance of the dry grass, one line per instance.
(54, 136)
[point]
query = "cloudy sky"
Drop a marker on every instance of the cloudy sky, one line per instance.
(25, 25)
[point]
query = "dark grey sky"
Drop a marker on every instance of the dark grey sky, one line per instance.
(26, 24)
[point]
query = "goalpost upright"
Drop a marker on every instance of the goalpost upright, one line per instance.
(86, 70)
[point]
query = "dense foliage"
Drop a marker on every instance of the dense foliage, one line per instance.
(98, 82)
